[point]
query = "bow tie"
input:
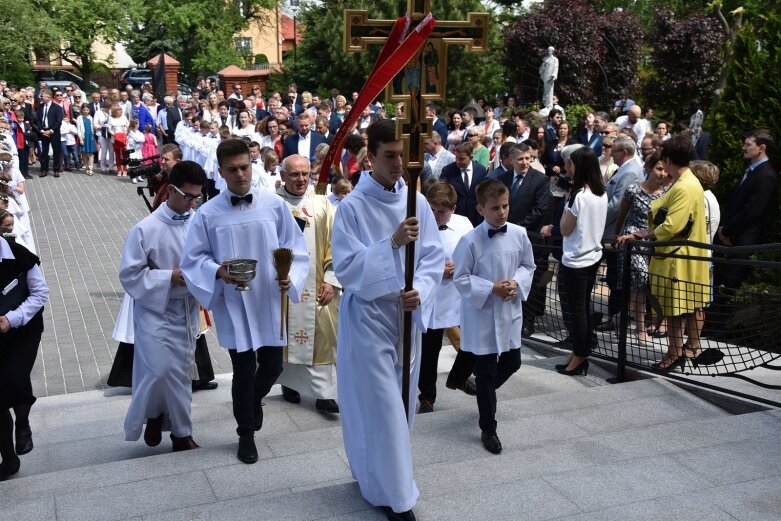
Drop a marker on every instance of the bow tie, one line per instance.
(235, 199)
(443, 226)
(254, 161)
(491, 233)
(181, 217)
(391, 189)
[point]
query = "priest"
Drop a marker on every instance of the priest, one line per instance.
(243, 222)
(310, 358)
(371, 231)
(165, 314)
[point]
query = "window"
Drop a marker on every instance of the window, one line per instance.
(243, 45)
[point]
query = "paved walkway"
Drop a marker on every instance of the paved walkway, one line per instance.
(79, 224)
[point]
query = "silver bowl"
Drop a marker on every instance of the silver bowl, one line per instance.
(242, 269)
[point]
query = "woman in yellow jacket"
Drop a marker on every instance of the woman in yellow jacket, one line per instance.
(682, 286)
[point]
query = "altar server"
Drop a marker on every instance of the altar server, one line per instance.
(494, 268)
(242, 222)
(371, 232)
(165, 314)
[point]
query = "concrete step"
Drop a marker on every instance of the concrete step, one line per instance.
(589, 451)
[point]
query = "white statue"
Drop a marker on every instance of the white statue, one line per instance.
(549, 71)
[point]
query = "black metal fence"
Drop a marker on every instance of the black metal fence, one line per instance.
(733, 330)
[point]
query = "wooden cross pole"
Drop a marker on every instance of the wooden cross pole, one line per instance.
(424, 79)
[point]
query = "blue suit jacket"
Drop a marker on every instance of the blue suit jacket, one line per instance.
(441, 129)
(466, 202)
(290, 146)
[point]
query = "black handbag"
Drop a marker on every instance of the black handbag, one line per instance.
(14, 294)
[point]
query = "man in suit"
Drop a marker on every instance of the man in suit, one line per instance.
(94, 105)
(529, 198)
(304, 142)
(49, 118)
(321, 126)
(552, 128)
(432, 111)
(324, 110)
(745, 216)
(173, 116)
(629, 172)
(465, 174)
(505, 160)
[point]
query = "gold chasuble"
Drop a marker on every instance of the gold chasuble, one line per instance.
(312, 327)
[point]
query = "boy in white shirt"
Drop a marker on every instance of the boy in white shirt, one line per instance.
(446, 310)
(494, 265)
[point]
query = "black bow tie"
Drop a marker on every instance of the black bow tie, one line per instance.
(254, 161)
(391, 189)
(443, 226)
(235, 199)
(491, 233)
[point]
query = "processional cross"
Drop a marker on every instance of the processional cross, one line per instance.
(423, 79)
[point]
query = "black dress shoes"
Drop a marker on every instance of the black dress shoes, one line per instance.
(291, 395)
(200, 385)
(24, 440)
(491, 442)
(425, 406)
(27, 176)
(153, 434)
(607, 325)
(186, 443)
(409, 515)
(43, 174)
(327, 406)
(467, 386)
(247, 453)
(9, 468)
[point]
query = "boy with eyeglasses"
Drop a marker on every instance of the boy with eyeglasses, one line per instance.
(165, 314)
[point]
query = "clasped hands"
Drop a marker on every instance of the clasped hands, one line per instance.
(505, 289)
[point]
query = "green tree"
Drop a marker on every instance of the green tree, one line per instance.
(82, 23)
(198, 34)
(29, 27)
(750, 100)
(323, 64)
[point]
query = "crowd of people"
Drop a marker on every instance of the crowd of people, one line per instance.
(503, 191)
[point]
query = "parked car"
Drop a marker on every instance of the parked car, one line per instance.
(135, 78)
(61, 79)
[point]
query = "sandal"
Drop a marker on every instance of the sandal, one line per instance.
(690, 352)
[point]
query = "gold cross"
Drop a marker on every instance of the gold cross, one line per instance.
(424, 78)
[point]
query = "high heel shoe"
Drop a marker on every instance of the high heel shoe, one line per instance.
(582, 368)
(680, 361)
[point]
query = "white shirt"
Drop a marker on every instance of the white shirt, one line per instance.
(583, 247)
(304, 144)
(446, 308)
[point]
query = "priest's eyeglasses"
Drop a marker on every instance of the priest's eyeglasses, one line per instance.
(295, 175)
(188, 197)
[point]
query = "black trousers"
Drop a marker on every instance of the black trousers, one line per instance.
(54, 141)
(534, 305)
(431, 344)
(491, 372)
(463, 367)
(616, 294)
(254, 373)
(578, 284)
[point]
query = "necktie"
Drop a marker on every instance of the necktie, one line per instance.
(516, 186)
(235, 199)
(443, 226)
(745, 175)
(181, 217)
(45, 116)
(465, 173)
(491, 233)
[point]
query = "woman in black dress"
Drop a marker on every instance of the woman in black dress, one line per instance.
(23, 292)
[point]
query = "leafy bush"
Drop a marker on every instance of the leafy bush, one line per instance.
(750, 100)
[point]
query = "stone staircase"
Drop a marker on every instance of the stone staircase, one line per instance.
(574, 448)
